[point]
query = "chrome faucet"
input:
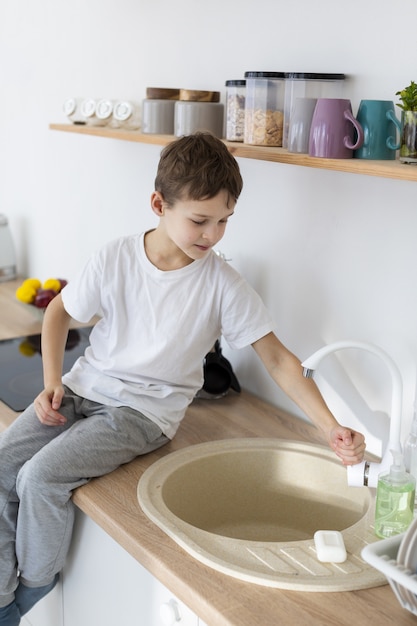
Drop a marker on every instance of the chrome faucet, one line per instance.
(366, 473)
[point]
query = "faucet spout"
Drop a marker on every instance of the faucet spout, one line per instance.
(366, 473)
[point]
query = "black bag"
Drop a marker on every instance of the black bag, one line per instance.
(218, 375)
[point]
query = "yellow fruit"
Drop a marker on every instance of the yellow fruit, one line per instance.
(52, 283)
(26, 294)
(32, 282)
(26, 349)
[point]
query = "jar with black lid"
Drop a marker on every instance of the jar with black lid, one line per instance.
(264, 108)
(309, 85)
(235, 109)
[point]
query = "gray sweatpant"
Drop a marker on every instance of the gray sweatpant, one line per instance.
(39, 468)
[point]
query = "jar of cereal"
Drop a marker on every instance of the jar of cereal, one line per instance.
(235, 109)
(264, 108)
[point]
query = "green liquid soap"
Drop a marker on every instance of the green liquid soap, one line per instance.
(394, 510)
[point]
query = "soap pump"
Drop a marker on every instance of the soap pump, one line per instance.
(395, 495)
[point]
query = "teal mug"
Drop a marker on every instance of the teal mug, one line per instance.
(380, 126)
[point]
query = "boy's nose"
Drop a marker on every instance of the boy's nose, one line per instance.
(211, 235)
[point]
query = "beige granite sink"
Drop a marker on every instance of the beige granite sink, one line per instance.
(250, 507)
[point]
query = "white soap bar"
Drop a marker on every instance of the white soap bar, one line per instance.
(330, 546)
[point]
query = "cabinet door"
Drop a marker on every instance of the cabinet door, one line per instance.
(103, 584)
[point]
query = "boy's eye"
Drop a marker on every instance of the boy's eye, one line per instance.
(197, 222)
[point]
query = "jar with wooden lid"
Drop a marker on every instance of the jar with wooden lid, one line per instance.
(198, 110)
(235, 109)
(158, 110)
(264, 108)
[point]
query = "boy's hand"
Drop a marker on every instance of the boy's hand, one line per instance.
(47, 404)
(348, 444)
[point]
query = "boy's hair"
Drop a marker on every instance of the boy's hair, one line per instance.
(197, 167)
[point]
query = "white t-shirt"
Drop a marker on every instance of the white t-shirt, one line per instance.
(156, 327)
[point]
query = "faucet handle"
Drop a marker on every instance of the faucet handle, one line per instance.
(357, 475)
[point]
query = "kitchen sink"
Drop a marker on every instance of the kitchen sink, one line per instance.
(250, 507)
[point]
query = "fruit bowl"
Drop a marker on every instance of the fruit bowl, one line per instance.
(38, 294)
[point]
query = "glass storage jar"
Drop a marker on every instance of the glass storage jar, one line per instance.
(308, 85)
(235, 109)
(127, 115)
(104, 111)
(264, 108)
(88, 111)
(72, 109)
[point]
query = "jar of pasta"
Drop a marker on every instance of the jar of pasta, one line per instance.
(264, 108)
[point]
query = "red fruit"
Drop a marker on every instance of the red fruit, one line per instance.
(43, 298)
(63, 282)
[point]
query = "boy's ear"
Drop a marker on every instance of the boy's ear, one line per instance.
(157, 203)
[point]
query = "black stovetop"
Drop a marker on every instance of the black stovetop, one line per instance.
(21, 376)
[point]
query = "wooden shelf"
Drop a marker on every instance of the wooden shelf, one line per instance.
(384, 169)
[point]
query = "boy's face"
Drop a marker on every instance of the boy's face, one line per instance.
(194, 226)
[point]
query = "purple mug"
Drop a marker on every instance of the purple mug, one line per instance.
(333, 126)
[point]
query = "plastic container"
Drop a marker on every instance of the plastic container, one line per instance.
(235, 109)
(308, 85)
(198, 110)
(127, 114)
(383, 556)
(7, 251)
(264, 108)
(394, 508)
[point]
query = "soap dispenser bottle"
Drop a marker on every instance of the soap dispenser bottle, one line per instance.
(7, 251)
(410, 448)
(395, 495)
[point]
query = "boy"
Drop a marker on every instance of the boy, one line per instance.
(164, 297)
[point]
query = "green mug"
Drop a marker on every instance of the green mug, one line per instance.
(380, 126)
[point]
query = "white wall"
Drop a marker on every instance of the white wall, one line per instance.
(333, 254)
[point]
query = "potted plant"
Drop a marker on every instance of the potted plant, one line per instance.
(408, 104)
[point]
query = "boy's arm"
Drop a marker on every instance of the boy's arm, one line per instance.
(54, 336)
(286, 371)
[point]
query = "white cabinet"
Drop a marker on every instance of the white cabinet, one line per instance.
(103, 585)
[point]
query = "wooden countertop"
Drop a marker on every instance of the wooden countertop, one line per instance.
(218, 599)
